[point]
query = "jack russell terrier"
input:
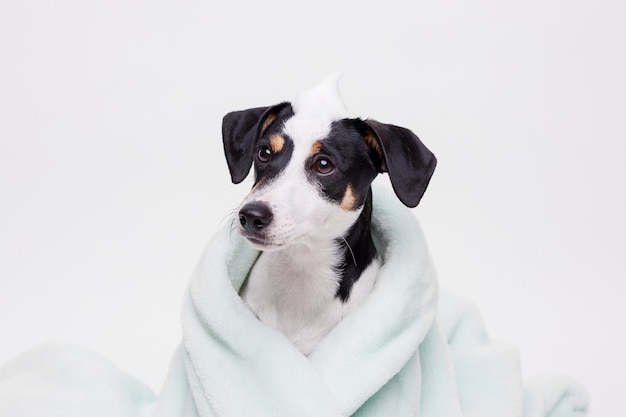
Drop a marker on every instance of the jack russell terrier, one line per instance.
(309, 210)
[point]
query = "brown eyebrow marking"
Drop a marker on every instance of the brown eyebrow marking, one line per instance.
(315, 148)
(277, 142)
(348, 201)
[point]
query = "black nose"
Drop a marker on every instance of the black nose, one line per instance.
(255, 216)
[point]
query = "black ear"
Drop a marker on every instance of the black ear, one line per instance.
(409, 163)
(240, 131)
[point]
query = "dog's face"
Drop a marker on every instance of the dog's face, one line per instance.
(311, 180)
(313, 170)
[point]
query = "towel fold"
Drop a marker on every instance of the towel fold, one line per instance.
(408, 351)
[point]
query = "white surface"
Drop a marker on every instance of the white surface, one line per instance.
(112, 176)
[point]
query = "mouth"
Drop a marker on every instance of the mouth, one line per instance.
(258, 241)
(269, 242)
(261, 242)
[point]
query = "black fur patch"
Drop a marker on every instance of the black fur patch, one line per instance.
(354, 160)
(360, 254)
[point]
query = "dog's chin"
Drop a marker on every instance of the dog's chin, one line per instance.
(264, 244)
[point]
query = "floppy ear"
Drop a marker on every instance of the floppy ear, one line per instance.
(409, 163)
(240, 131)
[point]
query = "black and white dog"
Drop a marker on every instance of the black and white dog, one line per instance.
(310, 208)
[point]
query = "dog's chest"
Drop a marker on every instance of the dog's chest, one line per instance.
(298, 297)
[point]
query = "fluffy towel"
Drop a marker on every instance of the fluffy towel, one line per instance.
(402, 353)
(390, 357)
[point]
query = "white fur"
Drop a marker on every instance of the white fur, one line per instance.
(294, 291)
(293, 285)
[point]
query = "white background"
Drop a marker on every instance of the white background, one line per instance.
(112, 176)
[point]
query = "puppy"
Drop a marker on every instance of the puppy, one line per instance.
(310, 208)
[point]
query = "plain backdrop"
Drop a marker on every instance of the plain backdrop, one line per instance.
(112, 176)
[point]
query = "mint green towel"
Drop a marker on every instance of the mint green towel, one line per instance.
(408, 351)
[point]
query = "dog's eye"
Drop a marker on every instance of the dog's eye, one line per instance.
(323, 166)
(264, 154)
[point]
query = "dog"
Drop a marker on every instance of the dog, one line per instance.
(309, 210)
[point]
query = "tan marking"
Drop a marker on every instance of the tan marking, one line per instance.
(277, 143)
(348, 201)
(372, 141)
(267, 122)
(315, 148)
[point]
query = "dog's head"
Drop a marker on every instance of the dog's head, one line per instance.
(313, 167)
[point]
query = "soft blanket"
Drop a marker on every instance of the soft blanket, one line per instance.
(407, 351)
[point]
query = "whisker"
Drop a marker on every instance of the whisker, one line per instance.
(349, 248)
(232, 228)
(229, 215)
